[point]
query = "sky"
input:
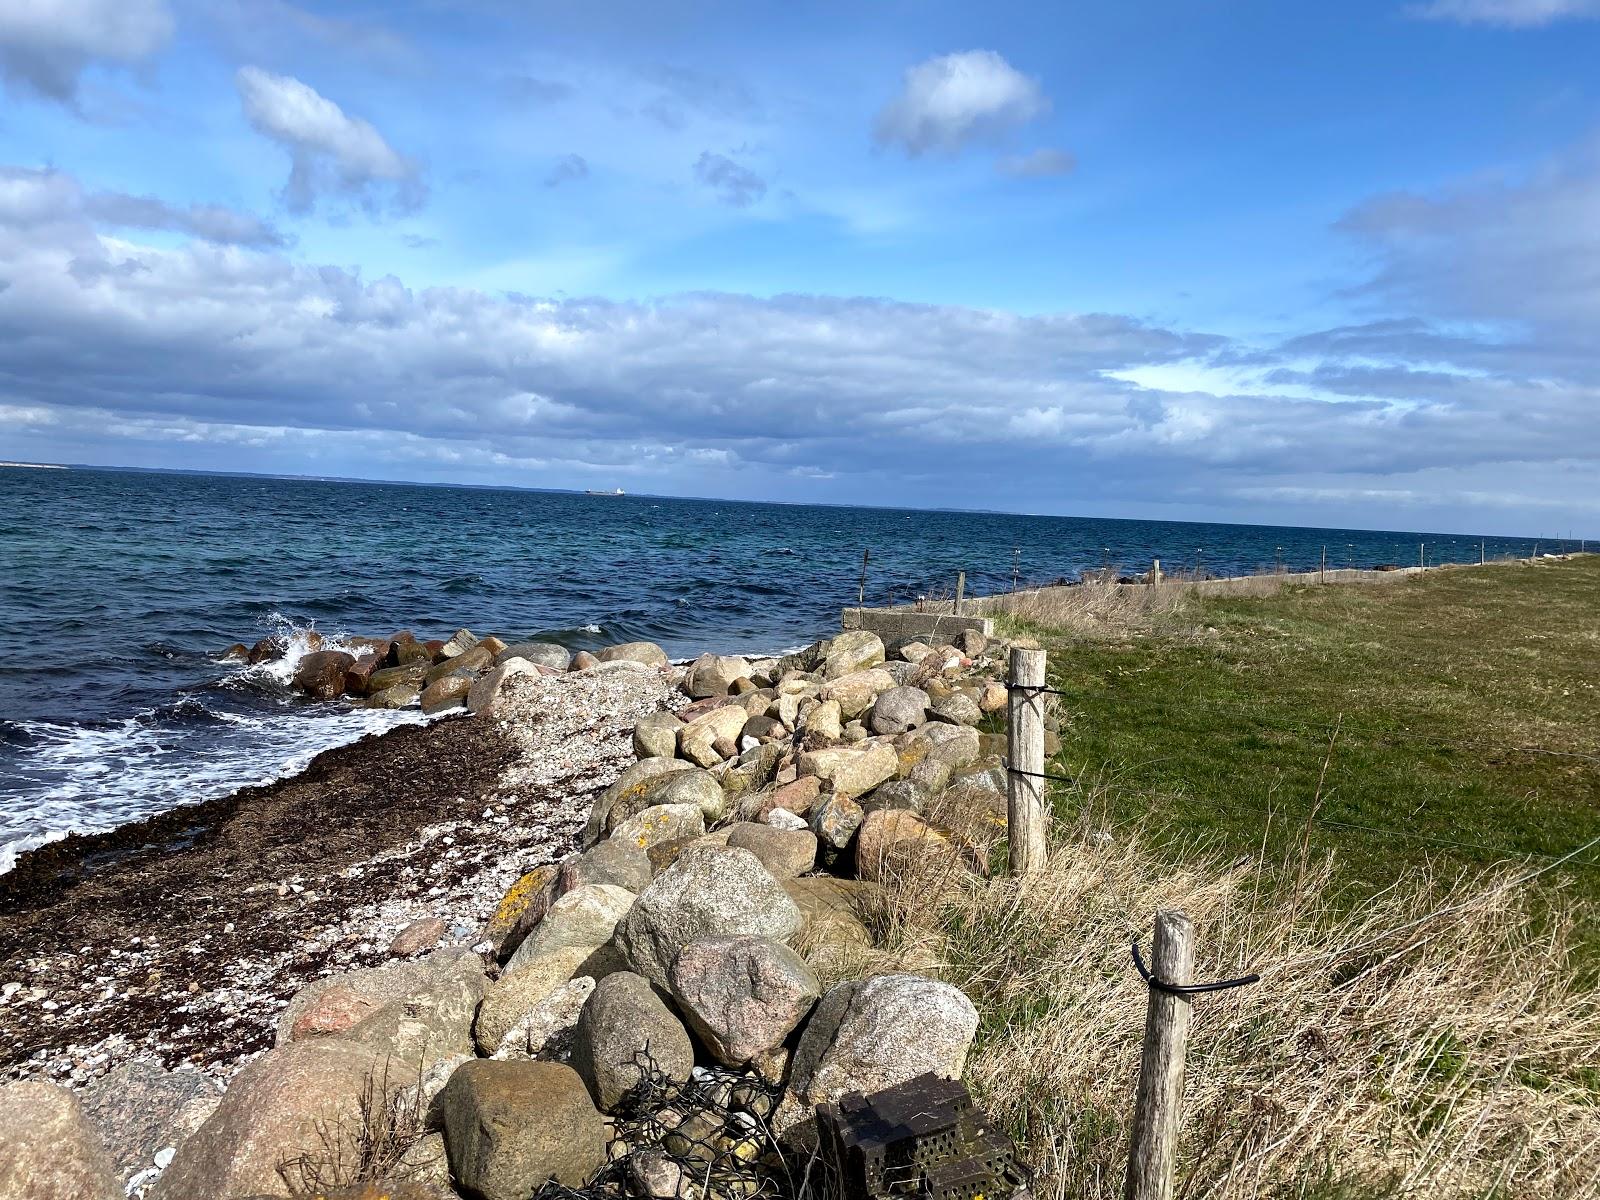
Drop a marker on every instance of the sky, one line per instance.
(1261, 261)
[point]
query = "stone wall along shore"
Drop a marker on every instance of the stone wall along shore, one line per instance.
(723, 875)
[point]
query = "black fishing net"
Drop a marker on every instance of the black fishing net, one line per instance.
(705, 1138)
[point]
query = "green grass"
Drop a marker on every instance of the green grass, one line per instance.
(1466, 705)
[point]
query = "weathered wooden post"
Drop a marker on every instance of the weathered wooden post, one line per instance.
(1025, 758)
(861, 595)
(1153, 1151)
(961, 588)
(1155, 572)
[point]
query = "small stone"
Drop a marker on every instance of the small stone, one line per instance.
(422, 934)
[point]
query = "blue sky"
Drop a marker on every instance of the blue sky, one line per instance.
(1322, 264)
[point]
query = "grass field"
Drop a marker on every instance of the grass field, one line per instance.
(1426, 1026)
(1452, 719)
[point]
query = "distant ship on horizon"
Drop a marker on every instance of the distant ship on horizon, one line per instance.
(613, 492)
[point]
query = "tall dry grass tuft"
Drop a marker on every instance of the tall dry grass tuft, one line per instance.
(1433, 1044)
(1099, 607)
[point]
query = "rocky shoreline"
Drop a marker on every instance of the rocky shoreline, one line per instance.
(585, 823)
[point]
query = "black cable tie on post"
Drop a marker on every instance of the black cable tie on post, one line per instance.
(1186, 989)
(1035, 687)
(1010, 770)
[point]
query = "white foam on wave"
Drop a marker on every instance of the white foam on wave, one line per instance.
(88, 780)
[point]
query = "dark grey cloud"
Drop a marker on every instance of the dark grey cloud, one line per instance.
(330, 151)
(568, 168)
(734, 184)
(45, 45)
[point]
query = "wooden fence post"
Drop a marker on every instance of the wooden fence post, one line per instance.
(1025, 753)
(1153, 1150)
(961, 588)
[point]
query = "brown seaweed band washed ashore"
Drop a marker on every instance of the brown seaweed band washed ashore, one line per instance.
(183, 936)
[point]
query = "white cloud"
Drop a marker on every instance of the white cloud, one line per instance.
(1515, 14)
(1041, 164)
(30, 197)
(208, 347)
(947, 103)
(734, 185)
(330, 150)
(46, 44)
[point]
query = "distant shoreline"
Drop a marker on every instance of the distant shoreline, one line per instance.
(36, 466)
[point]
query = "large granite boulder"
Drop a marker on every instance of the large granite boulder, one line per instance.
(618, 863)
(852, 772)
(628, 794)
(510, 1126)
(518, 992)
(853, 650)
(899, 709)
(140, 1110)
(656, 735)
(321, 674)
(891, 841)
(647, 653)
(698, 740)
(483, 696)
(444, 694)
(520, 909)
(621, 1021)
(785, 853)
(661, 823)
(48, 1148)
(548, 1026)
(281, 1106)
(693, 786)
(859, 690)
(542, 654)
(709, 891)
(338, 1003)
(585, 917)
(871, 1035)
(835, 819)
(742, 995)
(714, 675)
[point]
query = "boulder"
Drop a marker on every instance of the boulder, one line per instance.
(622, 1019)
(871, 1035)
(853, 650)
(446, 980)
(899, 709)
(993, 696)
(401, 695)
(460, 642)
(139, 1110)
(360, 673)
(548, 1026)
(798, 797)
(661, 823)
(714, 675)
(656, 735)
(785, 853)
(48, 1148)
(914, 652)
(694, 786)
(267, 650)
(762, 728)
(422, 934)
(835, 911)
(542, 654)
(517, 993)
(709, 891)
(835, 820)
(647, 653)
(890, 840)
(619, 863)
(510, 1126)
(971, 642)
(520, 909)
(277, 1108)
(930, 776)
(321, 673)
(627, 789)
(823, 723)
(782, 818)
(852, 772)
(955, 745)
(582, 661)
(958, 709)
(742, 995)
(484, 692)
(468, 662)
(585, 917)
(411, 653)
(857, 691)
(897, 793)
(446, 693)
(412, 674)
(697, 740)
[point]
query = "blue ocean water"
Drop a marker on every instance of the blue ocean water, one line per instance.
(118, 590)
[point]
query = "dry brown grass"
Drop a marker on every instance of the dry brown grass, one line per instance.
(1431, 1044)
(1096, 608)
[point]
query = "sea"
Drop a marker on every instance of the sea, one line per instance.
(120, 589)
